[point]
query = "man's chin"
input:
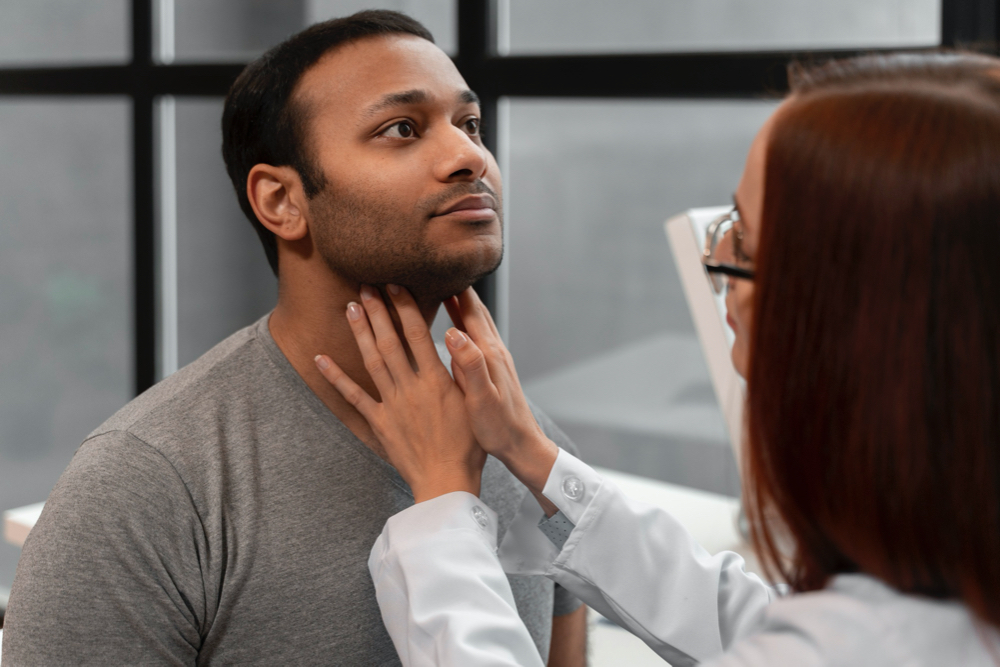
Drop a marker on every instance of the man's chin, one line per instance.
(442, 292)
(446, 284)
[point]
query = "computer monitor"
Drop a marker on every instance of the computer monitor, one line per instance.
(686, 234)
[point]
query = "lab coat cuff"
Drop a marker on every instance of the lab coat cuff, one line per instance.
(525, 549)
(572, 486)
(456, 511)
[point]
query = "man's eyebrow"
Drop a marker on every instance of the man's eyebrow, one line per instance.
(468, 97)
(408, 97)
(396, 100)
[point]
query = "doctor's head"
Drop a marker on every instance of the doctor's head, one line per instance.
(870, 335)
(355, 151)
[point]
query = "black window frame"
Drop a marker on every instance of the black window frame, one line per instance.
(729, 75)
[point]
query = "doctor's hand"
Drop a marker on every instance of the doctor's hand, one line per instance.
(498, 410)
(421, 419)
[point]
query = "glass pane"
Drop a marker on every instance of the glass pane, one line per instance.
(598, 322)
(440, 17)
(224, 281)
(558, 26)
(65, 306)
(236, 30)
(70, 31)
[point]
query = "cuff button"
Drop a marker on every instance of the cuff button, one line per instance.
(572, 488)
(480, 516)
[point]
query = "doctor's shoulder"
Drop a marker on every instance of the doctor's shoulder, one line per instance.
(859, 621)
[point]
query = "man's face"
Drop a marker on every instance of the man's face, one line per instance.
(412, 196)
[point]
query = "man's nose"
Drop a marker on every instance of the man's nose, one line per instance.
(462, 157)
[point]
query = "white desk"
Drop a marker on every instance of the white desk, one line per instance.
(17, 523)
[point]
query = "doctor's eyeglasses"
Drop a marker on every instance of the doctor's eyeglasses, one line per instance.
(723, 256)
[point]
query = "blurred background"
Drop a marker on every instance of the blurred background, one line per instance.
(123, 254)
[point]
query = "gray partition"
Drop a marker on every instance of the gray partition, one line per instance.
(224, 280)
(599, 325)
(631, 26)
(65, 303)
(234, 30)
(36, 32)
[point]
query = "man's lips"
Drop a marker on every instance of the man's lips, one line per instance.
(473, 207)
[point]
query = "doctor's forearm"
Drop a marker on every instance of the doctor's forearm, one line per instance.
(531, 460)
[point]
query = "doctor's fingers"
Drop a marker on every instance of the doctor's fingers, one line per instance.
(483, 331)
(458, 374)
(387, 342)
(454, 312)
(476, 314)
(365, 338)
(471, 371)
(415, 330)
(348, 388)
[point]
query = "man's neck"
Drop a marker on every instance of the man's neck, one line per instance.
(312, 320)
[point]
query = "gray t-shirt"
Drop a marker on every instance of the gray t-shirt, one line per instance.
(226, 516)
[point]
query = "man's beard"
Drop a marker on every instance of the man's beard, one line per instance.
(369, 241)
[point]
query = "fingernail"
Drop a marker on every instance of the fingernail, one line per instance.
(393, 289)
(455, 338)
(353, 311)
(367, 292)
(321, 362)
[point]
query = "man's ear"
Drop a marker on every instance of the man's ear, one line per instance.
(278, 199)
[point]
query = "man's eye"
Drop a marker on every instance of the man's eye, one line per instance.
(402, 130)
(472, 126)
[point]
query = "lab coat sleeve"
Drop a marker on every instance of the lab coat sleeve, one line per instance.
(637, 565)
(446, 601)
(444, 597)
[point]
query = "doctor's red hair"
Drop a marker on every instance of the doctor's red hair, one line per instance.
(873, 421)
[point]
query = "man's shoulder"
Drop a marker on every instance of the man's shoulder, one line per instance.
(220, 376)
(548, 426)
(501, 490)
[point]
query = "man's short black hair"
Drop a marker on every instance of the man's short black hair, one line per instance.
(260, 124)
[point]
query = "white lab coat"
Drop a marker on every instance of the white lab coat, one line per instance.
(439, 579)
